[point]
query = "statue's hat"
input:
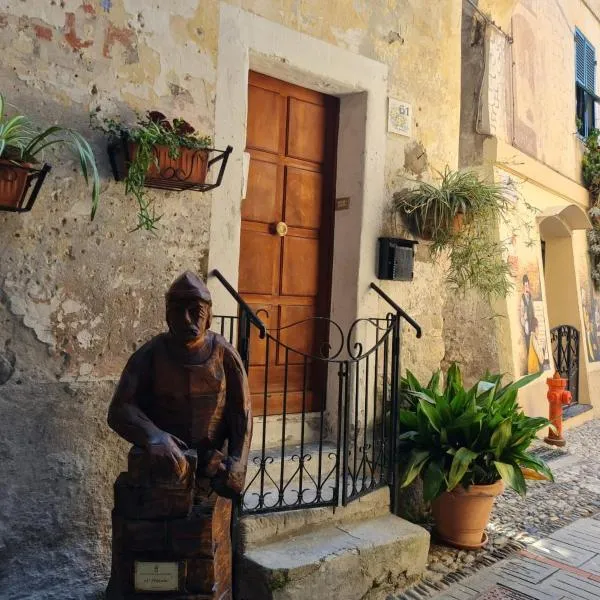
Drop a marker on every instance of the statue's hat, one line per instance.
(188, 285)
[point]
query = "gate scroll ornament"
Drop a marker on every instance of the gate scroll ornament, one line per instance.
(183, 397)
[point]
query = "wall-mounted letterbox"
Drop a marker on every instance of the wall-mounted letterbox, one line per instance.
(396, 258)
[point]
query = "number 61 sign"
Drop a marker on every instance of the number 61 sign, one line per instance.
(399, 117)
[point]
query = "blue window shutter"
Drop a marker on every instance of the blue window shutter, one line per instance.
(590, 67)
(580, 70)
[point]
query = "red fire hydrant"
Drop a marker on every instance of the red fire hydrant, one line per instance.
(557, 396)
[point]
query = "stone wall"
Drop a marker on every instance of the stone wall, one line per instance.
(77, 297)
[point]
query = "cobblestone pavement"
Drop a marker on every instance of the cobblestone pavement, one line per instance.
(517, 524)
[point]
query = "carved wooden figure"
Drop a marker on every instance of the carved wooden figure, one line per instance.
(183, 402)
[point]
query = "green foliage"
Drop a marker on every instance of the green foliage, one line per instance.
(590, 168)
(21, 142)
(476, 258)
(154, 130)
(465, 437)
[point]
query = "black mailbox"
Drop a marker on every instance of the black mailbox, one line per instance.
(396, 258)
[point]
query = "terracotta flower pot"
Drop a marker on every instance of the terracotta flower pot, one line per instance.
(462, 514)
(190, 166)
(13, 183)
(458, 222)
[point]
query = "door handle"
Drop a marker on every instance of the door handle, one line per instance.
(281, 229)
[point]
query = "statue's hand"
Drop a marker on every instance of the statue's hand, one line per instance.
(168, 448)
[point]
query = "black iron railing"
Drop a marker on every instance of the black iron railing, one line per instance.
(329, 412)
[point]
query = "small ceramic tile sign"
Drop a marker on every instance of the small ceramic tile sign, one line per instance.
(399, 117)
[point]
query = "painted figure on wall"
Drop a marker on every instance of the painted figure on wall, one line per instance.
(527, 310)
(183, 401)
(534, 356)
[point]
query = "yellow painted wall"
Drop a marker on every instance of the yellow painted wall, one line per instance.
(532, 93)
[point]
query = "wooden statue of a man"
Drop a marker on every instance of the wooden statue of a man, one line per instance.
(183, 401)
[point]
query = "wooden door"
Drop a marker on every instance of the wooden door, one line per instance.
(287, 237)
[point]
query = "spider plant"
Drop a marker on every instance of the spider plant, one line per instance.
(459, 214)
(430, 209)
(21, 142)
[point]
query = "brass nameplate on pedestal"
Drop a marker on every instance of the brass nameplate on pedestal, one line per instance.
(156, 576)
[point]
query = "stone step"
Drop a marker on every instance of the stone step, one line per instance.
(366, 560)
(265, 528)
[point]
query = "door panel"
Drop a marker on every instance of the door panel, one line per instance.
(260, 250)
(300, 272)
(286, 279)
(306, 139)
(261, 203)
(264, 128)
(303, 193)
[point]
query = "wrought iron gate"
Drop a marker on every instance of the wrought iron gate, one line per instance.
(344, 449)
(565, 351)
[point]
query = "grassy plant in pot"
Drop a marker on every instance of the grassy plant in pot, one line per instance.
(158, 151)
(467, 444)
(22, 148)
(459, 214)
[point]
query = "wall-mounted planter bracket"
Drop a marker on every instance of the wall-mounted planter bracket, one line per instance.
(171, 174)
(20, 185)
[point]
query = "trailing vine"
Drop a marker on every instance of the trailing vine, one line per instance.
(590, 167)
(154, 130)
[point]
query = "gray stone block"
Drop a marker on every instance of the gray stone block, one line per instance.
(355, 561)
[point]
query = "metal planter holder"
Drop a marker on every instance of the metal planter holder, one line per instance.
(169, 178)
(31, 180)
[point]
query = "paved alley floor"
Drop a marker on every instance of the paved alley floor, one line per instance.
(544, 546)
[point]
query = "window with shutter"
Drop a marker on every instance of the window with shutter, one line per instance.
(585, 84)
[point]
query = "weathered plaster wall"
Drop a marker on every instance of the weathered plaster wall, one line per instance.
(76, 298)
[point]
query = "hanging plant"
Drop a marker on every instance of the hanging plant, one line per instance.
(459, 215)
(156, 148)
(22, 147)
(590, 167)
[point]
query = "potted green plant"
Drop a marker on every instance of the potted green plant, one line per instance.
(21, 147)
(466, 444)
(458, 214)
(156, 151)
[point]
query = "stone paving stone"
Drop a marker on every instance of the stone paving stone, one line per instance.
(584, 534)
(592, 566)
(527, 569)
(538, 592)
(499, 592)
(562, 552)
(572, 586)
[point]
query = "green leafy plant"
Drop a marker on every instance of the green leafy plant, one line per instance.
(149, 132)
(590, 170)
(22, 143)
(460, 215)
(459, 436)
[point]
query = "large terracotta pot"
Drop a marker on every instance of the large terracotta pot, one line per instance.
(13, 183)
(190, 166)
(462, 514)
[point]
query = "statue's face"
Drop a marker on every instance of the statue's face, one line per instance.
(188, 319)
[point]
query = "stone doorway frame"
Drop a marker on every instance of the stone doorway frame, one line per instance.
(248, 42)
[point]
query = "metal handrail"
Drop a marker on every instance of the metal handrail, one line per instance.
(241, 302)
(406, 317)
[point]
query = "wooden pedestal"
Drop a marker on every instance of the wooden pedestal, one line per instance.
(171, 541)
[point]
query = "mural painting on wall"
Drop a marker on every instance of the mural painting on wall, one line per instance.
(590, 303)
(534, 356)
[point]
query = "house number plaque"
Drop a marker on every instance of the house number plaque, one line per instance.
(156, 576)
